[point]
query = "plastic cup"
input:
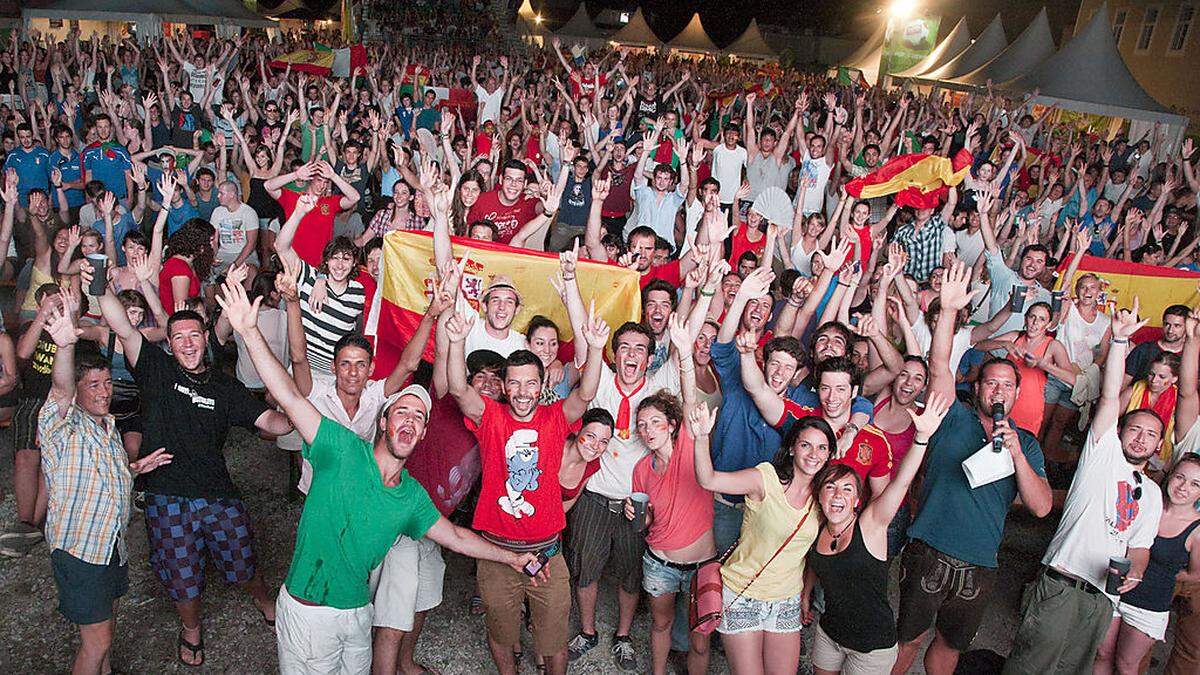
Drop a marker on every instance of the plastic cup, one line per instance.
(99, 263)
(1017, 304)
(1118, 567)
(640, 500)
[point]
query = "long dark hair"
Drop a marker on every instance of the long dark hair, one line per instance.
(783, 457)
(194, 239)
(458, 212)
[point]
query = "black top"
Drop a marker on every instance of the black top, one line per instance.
(857, 614)
(1168, 556)
(261, 201)
(190, 414)
(1137, 363)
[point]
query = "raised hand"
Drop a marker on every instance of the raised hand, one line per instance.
(1125, 321)
(237, 274)
(458, 327)
(936, 407)
(595, 329)
(837, 257)
(756, 284)
(956, 293)
(701, 420)
(285, 280)
(242, 314)
(60, 325)
(139, 264)
(568, 261)
(305, 203)
(166, 188)
(746, 342)
(601, 188)
(681, 337)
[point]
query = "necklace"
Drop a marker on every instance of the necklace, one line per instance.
(837, 537)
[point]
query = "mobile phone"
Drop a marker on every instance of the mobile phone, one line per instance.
(533, 567)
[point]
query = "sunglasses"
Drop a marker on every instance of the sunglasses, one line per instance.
(1137, 491)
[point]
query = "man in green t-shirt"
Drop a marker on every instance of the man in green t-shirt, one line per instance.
(360, 501)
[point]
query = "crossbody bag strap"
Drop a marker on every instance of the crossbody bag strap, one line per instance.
(772, 558)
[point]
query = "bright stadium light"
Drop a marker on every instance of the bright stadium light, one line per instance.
(537, 18)
(902, 8)
(624, 17)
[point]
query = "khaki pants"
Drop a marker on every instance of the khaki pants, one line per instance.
(1061, 628)
(504, 591)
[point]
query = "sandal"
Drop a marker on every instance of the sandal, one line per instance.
(477, 605)
(197, 649)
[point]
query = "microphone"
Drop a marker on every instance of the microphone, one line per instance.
(997, 418)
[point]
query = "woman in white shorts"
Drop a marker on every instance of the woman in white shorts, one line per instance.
(760, 625)
(1140, 617)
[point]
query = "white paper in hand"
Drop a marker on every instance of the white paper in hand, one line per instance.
(988, 466)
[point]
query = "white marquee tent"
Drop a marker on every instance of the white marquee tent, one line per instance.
(751, 45)
(989, 43)
(636, 33)
(1034, 45)
(580, 28)
(867, 57)
(693, 38)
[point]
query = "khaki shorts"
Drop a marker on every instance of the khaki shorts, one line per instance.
(321, 639)
(504, 591)
(409, 580)
(829, 655)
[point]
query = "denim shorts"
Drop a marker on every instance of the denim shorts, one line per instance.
(1058, 393)
(659, 578)
(744, 615)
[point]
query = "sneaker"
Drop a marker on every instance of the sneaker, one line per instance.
(580, 645)
(623, 654)
(139, 501)
(20, 540)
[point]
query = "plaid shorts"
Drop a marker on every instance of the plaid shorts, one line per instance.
(181, 529)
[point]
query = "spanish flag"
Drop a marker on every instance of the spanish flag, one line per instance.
(918, 180)
(407, 285)
(1155, 287)
(324, 61)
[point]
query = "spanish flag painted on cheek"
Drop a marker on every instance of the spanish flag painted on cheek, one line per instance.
(407, 285)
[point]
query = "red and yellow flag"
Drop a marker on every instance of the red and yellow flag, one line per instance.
(918, 180)
(1155, 287)
(407, 285)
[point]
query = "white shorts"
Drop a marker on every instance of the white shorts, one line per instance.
(746, 615)
(1145, 621)
(409, 580)
(829, 655)
(318, 640)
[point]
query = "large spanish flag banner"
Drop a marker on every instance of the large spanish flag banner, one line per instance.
(1155, 287)
(918, 180)
(408, 266)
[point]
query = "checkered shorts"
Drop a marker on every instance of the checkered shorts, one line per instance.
(180, 531)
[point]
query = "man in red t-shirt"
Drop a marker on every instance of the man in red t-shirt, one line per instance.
(520, 503)
(506, 207)
(316, 229)
(616, 206)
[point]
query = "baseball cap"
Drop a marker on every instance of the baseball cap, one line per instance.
(502, 281)
(411, 390)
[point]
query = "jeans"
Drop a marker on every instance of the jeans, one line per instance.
(727, 525)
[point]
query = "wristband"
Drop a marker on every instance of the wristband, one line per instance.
(570, 278)
(920, 442)
(793, 303)
(709, 294)
(1120, 341)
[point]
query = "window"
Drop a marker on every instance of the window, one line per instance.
(1119, 25)
(1147, 33)
(1183, 26)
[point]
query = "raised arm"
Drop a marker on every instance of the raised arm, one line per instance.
(955, 296)
(595, 333)
(745, 482)
(469, 401)
(1124, 324)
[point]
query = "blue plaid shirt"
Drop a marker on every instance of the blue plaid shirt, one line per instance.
(924, 246)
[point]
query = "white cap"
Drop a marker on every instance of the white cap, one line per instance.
(411, 390)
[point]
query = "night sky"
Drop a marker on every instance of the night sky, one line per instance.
(725, 19)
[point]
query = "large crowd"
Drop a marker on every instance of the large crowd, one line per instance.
(818, 385)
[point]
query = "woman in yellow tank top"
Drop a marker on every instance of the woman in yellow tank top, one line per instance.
(760, 625)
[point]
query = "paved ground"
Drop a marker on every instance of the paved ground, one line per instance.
(38, 640)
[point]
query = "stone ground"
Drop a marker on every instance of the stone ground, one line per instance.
(36, 639)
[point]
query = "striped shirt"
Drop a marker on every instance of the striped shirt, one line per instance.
(88, 480)
(337, 318)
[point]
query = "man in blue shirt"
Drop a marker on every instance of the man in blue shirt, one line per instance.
(31, 162)
(67, 161)
(950, 564)
(107, 161)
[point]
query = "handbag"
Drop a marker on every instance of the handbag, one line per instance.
(707, 588)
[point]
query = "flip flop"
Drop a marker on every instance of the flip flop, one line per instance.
(196, 649)
(269, 622)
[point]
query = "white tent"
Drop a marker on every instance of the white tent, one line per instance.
(989, 43)
(953, 45)
(872, 47)
(579, 28)
(636, 33)
(693, 38)
(147, 16)
(1088, 75)
(1031, 47)
(751, 44)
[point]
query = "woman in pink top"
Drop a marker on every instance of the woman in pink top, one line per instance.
(678, 522)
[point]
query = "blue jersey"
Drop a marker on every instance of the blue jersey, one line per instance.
(70, 166)
(178, 215)
(33, 170)
(107, 162)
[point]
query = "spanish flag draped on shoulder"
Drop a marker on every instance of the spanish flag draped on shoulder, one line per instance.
(407, 285)
(1155, 287)
(918, 180)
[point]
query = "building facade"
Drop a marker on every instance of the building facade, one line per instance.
(1160, 42)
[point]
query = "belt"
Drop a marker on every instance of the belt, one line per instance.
(614, 505)
(520, 546)
(1070, 581)
(683, 567)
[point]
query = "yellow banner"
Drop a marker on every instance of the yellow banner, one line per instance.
(1156, 288)
(408, 263)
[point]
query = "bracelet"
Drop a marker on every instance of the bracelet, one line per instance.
(709, 294)
(920, 442)
(1120, 341)
(841, 284)
(793, 303)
